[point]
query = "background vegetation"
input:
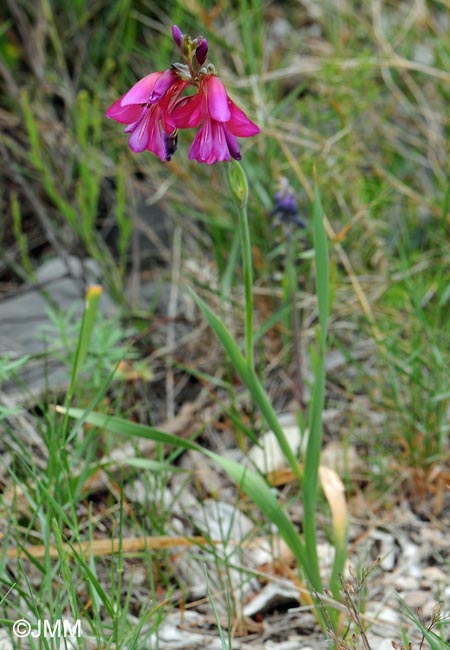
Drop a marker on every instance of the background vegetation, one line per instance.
(352, 96)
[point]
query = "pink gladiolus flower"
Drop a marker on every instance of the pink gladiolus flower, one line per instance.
(145, 109)
(221, 121)
(153, 111)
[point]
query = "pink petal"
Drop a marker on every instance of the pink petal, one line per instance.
(156, 142)
(210, 144)
(123, 114)
(217, 99)
(142, 91)
(221, 150)
(146, 133)
(186, 113)
(139, 135)
(201, 146)
(167, 80)
(239, 124)
(169, 102)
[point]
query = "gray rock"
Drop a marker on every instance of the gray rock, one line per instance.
(61, 284)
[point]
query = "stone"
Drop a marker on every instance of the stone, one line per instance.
(23, 317)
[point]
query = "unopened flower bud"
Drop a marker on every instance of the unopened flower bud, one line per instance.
(202, 51)
(177, 35)
(237, 182)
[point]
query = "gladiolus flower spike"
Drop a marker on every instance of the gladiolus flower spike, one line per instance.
(154, 109)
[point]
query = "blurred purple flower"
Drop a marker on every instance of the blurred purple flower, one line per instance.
(285, 205)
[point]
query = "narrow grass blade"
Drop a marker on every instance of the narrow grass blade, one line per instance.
(93, 295)
(251, 381)
(261, 494)
(249, 482)
(125, 427)
(226, 643)
(322, 268)
(431, 637)
(312, 455)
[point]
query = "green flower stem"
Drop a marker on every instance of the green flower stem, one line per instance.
(238, 184)
(248, 284)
